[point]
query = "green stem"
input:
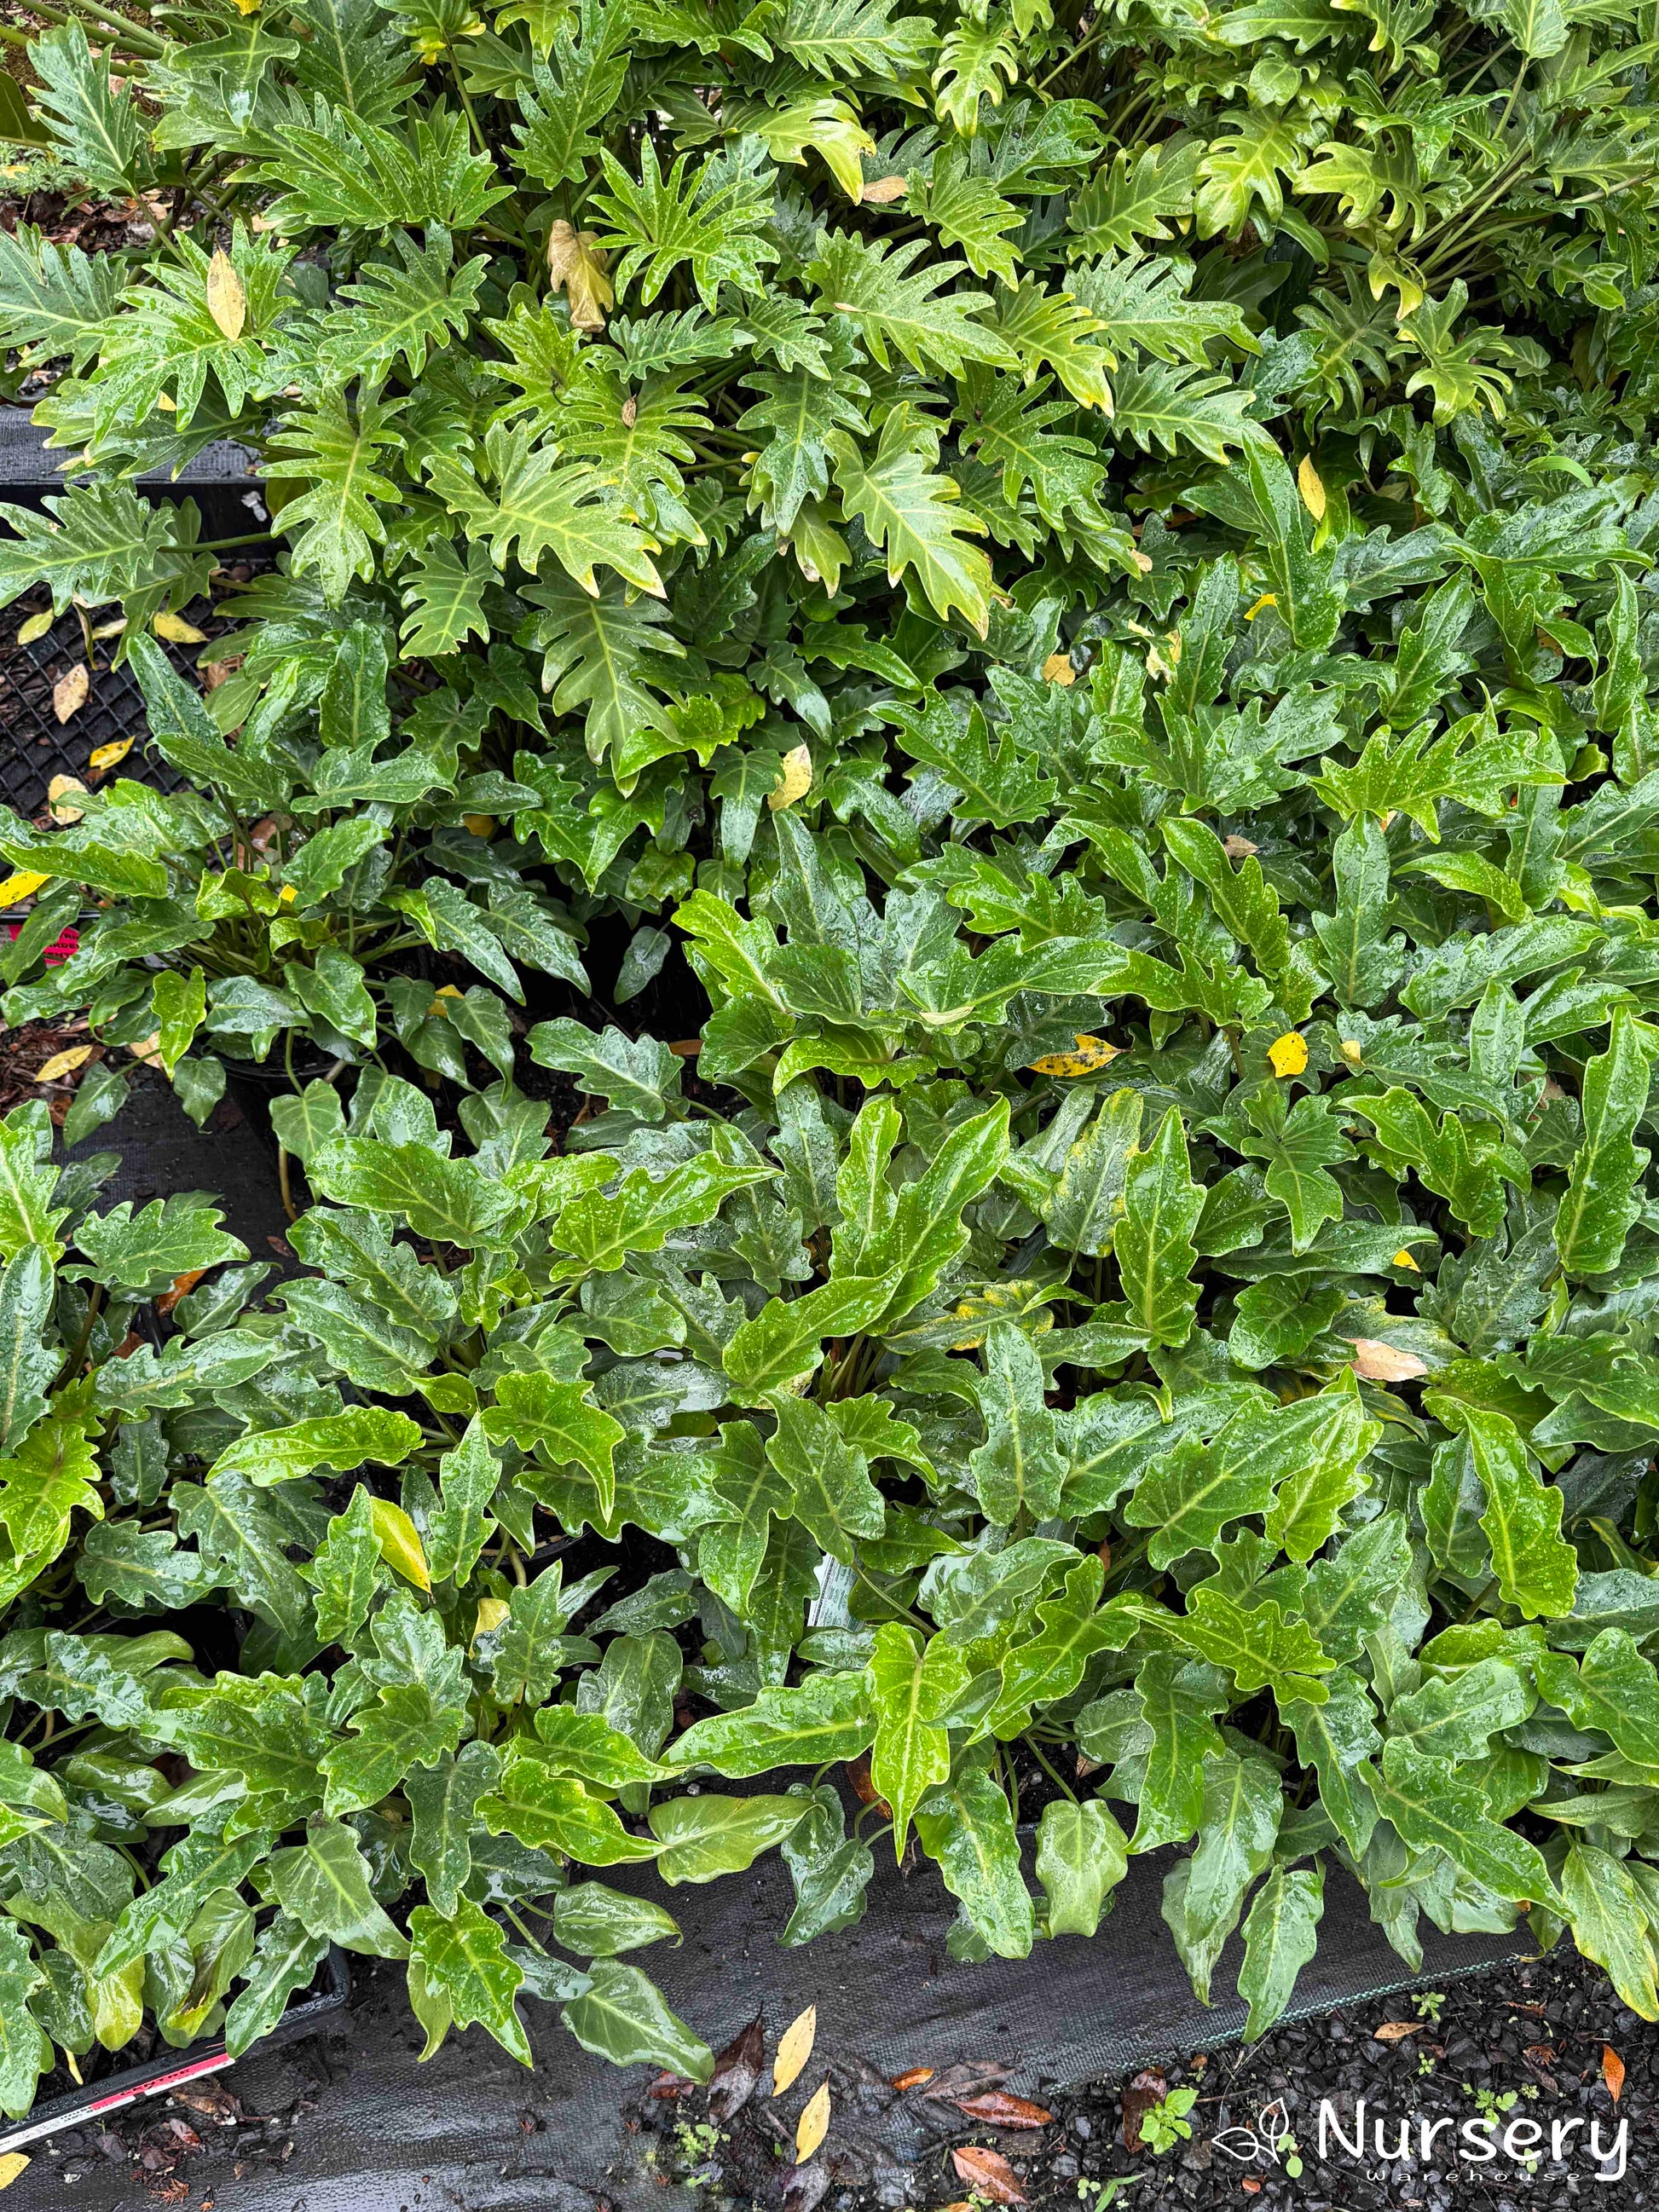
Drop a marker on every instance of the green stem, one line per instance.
(1057, 1778)
(127, 32)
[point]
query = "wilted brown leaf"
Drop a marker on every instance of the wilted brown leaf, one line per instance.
(1613, 2071)
(737, 2069)
(913, 2077)
(1396, 2030)
(881, 191)
(575, 266)
(990, 2174)
(1374, 1361)
(182, 1286)
(1147, 2088)
(69, 693)
(995, 2108)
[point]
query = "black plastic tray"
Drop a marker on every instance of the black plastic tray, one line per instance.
(171, 2070)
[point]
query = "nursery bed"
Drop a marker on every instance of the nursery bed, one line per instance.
(472, 2127)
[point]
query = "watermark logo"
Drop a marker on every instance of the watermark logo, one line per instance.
(1368, 2137)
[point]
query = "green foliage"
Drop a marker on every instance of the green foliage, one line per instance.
(1005, 544)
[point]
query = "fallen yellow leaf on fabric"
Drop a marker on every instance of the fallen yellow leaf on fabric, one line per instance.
(794, 2049)
(105, 757)
(1092, 1052)
(1288, 1055)
(16, 888)
(36, 626)
(62, 1063)
(813, 2125)
(794, 779)
(69, 693)
(12, 2163)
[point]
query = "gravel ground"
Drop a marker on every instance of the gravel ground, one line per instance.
(1516, 2052)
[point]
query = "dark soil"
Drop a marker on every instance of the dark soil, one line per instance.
(1529, 2047)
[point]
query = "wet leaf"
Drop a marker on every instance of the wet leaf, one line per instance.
(1288, 1055)
(107, 757)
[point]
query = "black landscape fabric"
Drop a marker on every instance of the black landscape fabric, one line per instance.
(470, 2128)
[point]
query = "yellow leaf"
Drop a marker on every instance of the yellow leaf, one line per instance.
(69, 693)
(1092, 1054)
(227, 301)
(107, 755)
(61, 794)
(62, 1063)
(794, 2049)
(178, 631)
(1058, 669)
(1312, 486)
(16, 889)
(12, 2163)
(1402, 1258)
(147, 1049)
(1265, 600)
(882, 191)
(575, 266)
(443, 994)
(287, 896)
(480, 825)
(399, 1541)
(36, 626)
(1288, 1055)
(795, 780)
(813, 2125)
(109, 629)
(166, 404)
(1374, 1361)
(1352, 1051)
(492, 1611)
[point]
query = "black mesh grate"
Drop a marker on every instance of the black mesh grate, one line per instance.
(35, 745)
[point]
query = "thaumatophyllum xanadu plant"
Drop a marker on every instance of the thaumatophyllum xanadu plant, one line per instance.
(1175, 1277)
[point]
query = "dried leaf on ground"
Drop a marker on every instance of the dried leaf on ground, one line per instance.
(996, 2108)
(794, 2049)
(737, 2069)
(988, 2173)
(1613, 2071)
(813, 2125)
